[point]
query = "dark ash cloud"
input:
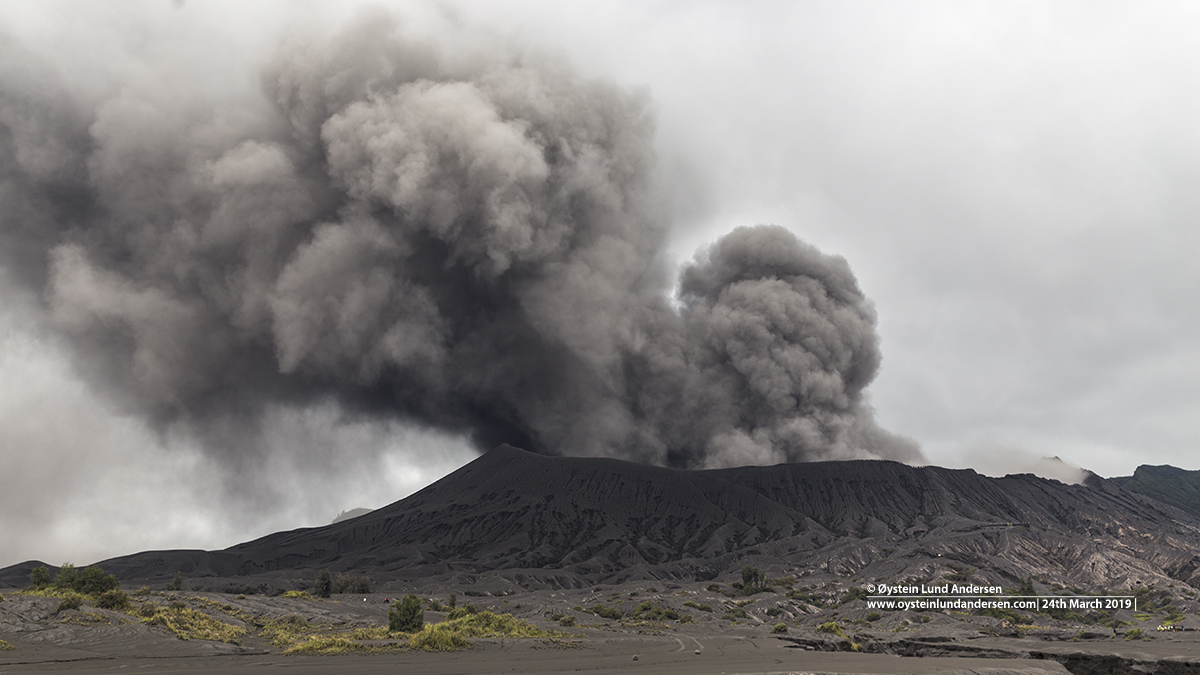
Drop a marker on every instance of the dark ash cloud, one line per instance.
(463, 239)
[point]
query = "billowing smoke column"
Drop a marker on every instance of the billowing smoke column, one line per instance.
(468, 242)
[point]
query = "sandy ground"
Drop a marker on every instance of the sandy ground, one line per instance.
(655, 656)
(96, 641)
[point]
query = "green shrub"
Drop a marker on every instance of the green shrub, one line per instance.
(433, 638)
(852, 594)
(1135, 634)
(753, 581)
(874, 616)
(114, 599)
(292, 622)
(460, 612)
(39, 577)
(65, 579)
(649, 612)
(5, 647)
(606, 612)
(567, 622)
(348, 584)
(702, 608)
(779, 628)
(802, 594)
(176, 583)
(324, 584)
(774, 611)
(735, 613)
(832, 628)
(72, 601)
(93, 581)
(407, 615)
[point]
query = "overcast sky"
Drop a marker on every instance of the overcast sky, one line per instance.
(1013, 184)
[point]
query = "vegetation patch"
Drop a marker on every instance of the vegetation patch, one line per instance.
(85, 619)
(327, 645)
(302, 595)
(833, 628)
(407, 615)
(5, 646)
(116, 599)
(735, 613)
(71, 601)
(460, 612)
(287, 630)
(753, 582)
(438, 638)
(649, 612)
(702, 608)
(189, 624)
(606, 612)
(852, 594)
(452, 635)
(804, 595)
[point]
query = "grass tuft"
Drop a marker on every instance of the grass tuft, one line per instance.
(189, 624)
(326, 645)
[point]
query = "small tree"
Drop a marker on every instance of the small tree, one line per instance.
(406, 616)
(324, 584)
(93, 581)
(176, 583)
(39, 577)
(753, 581)
(65, 579)
(453, 600)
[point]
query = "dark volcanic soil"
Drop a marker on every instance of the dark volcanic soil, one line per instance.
(898, 642)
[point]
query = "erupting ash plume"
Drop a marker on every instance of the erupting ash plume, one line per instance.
(463, 241)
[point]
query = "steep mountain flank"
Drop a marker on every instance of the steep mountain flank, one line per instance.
(576, 521)
(1168, 484)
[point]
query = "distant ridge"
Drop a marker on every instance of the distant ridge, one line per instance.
(579, 521)
(1168, 484)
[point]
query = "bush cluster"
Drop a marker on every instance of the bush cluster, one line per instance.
(90, 581)
(753, 581)
(327, 584)
(649, 612)
(607, 612)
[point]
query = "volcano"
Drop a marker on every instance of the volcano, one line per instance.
(572, 522)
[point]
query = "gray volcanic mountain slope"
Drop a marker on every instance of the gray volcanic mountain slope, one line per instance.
(580, 520)
(1168, 484)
